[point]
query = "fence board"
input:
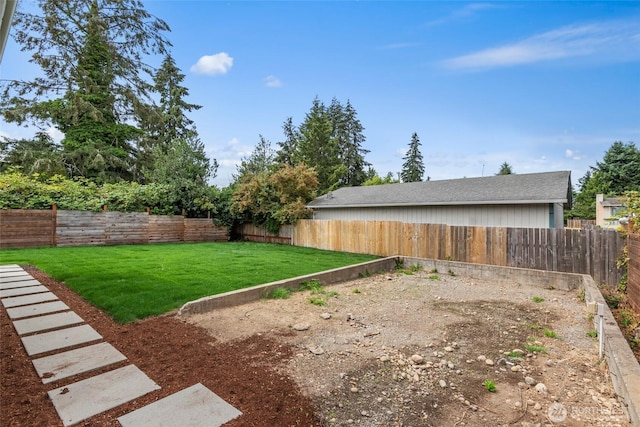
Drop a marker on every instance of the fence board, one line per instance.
(28, 228)
(586, 251)
(18, 226)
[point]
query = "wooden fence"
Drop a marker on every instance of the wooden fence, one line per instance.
(633, 284)
(32, 228)
(581, 223)
(586, 251)
(256, 233)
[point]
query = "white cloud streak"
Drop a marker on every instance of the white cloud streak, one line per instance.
(605, 41)
(272, 81)
(210, 65)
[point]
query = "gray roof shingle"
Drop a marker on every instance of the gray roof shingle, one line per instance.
(545, 187)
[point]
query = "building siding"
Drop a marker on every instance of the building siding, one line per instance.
(519, 216)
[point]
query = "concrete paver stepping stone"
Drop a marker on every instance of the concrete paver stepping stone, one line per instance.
(28, 299)
(36, 309)
(22, 291)
(81, 400)
(50, 321)
(12, 272)
(47, 341)
(9, 267)
(196, 406)
(74, 362)
(21, 284)
(15, 277)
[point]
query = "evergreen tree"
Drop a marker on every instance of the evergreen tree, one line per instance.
(348, 132)
(505, 169)
(620, 168)
(329, 140)
(618, 172)
(39, 155)
(288, 148)
(90, 51)
(169, 121)
(262, 159)
(316, 147)
(413, 166)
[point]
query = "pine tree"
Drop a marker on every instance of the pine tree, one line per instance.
(505, 169)
(413, 166)
(262, 159)
(329, 140)
(91, 54)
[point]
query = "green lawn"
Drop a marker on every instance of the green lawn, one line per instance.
(138, 281)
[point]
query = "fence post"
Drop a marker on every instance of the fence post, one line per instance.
(54, 224)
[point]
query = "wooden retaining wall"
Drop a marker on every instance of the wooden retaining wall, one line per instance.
(586, 251)
(31, 228)
(633, 284)
(20, 228)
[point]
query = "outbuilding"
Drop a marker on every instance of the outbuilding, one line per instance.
(535, 200)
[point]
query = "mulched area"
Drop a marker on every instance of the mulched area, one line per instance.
(172, 353)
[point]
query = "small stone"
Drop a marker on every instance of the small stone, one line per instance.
(529, 381)
(365, 413)
(450, 365)
(549, 362)
(301, 327)
(517, 404)
(537, 406)
(442, 383)
(384, 358)
(541, 388)
(489, 362)
(417, 359)
(482, 358)
(515, 368)
(326, 316)
(448, 349)
(317, 350)
(354, 389)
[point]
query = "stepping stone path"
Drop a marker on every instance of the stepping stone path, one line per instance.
(47, 327)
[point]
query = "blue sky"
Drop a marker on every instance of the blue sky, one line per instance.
(544, 86)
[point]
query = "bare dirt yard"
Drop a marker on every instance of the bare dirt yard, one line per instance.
(424, 349)
(387, 350)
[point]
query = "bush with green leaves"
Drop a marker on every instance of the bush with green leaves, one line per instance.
(19, 191)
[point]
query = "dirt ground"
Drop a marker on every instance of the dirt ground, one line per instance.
(387, 350)
(415, 350)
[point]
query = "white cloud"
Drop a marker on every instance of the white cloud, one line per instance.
(272, 81)
(210, 65)
(573, 155)
(607, 41)
(465, 13)
(55, 134)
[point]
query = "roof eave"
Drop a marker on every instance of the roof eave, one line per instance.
(475, 203)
